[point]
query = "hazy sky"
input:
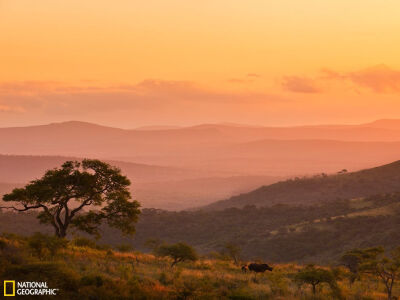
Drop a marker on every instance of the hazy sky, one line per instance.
(131, 63)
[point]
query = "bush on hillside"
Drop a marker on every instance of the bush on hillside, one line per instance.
(44, 245)
(124, 248)
(56, 275)
(85, 242)
(3, 245)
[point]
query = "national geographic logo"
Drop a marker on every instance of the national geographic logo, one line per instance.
(27, 288)
(9, 288)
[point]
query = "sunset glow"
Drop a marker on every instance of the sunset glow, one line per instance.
(133, 63)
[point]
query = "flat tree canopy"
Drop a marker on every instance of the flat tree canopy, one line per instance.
(80, 195)
(179, 252)
(315, 276)
(374, 261)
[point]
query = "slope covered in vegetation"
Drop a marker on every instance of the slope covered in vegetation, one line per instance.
(281, 233)
(321, 188)
(83, 270)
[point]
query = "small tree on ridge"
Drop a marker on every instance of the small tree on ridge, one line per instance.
(179, 252)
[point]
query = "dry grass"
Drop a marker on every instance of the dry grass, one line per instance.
(149, 277)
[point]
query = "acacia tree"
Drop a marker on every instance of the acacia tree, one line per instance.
(233, 251)
(81, 195)
(179, 252)
(385, 267)
(351, 260)
(315, 276)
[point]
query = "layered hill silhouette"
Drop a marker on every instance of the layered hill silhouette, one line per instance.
(222, 149)
(155, 186)
(319, 188)
(182, 167)
(20, 168)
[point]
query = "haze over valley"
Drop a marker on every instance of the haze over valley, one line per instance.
(187, 167)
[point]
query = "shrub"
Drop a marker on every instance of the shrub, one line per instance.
(163, 278)
(56, 275)
(125, 248)
(43, 245)
(84, 242)
(186, 288)
(278, 283)
(3, 245)
(11, 255)
(11, 236)
(240, 295)
(104, 247)
(95, 280)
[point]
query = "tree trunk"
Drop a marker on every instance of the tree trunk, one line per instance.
(389, 288)
(174, 263)
(314, 289)
(389, 293)
(63, 233)
(60, 231)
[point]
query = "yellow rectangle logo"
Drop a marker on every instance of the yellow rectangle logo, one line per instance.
(12, 282)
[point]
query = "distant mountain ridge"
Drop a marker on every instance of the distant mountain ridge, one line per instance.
(20, 169)
(221, 149)
(154, 186)
(393, 124)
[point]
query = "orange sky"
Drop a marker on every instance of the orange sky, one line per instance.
(131, 63)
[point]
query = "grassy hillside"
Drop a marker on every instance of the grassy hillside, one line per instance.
(281, 233)
(322, 188)
(88, 272)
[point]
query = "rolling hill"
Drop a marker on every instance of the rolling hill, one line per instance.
(305, 220)
(285, 233)
(23, 168)
(321, 188)
(222, 149)
(281, 233)
(179, 168)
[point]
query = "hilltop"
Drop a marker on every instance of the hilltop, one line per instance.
(229, 149)
(320, 188)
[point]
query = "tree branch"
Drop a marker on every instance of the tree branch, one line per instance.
(58, 218)
(26, 207)
(84, 203)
